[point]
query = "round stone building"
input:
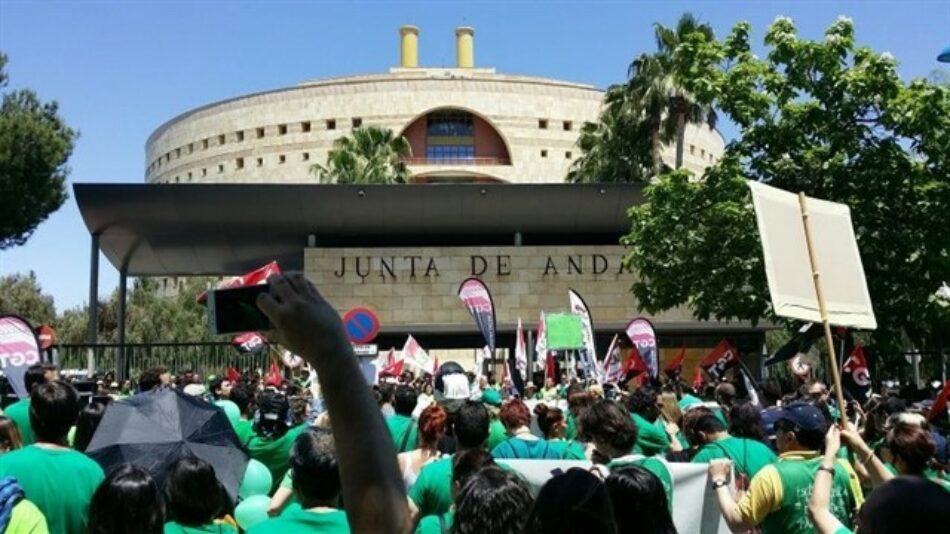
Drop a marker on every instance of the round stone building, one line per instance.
(464, 124)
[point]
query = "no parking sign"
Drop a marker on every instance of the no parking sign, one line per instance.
(361, 324)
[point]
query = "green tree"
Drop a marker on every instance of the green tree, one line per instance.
(370, 155)
(22, 295)
(823, 117)
(34, 146)
(614, 149)
(656, 90)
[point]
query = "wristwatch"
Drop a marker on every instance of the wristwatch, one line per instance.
(721, 483)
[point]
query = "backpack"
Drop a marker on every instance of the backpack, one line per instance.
(272, 411)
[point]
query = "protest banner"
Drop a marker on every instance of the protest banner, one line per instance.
(563, 331)
(812, 264)
(643, 336)
(478, 301)
(695, 508)
(589, 353)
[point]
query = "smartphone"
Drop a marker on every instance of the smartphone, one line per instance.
(232, 311)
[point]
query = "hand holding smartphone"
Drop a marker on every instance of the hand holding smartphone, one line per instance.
(232, 311)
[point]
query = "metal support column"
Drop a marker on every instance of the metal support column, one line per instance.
(122, 366)
(92, 314)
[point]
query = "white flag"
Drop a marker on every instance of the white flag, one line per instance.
(521, 353)
(414, 355)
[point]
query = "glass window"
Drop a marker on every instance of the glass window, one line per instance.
(450, 124)
(450, 152)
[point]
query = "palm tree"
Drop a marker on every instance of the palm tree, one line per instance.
(615, 148)
(370, 155)
(655, 94)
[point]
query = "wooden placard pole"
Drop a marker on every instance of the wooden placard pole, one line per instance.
(822, 309)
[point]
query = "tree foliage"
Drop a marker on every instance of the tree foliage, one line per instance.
(370, 155)
(22, 295)
(650, 110)
(35, 144)
(824, 117)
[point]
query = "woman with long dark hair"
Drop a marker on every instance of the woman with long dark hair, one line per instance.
(127, 502)
(195, 498)
(86, 425)
(640, 503)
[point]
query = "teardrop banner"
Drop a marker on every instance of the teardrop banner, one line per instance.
(19, 349)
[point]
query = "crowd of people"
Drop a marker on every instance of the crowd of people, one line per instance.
(434, 454)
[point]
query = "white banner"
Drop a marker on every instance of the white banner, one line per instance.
(787, 265)
(695, 509)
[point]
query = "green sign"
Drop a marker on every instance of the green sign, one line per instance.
(564, 331)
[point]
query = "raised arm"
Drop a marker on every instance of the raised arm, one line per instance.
(818, 508)
(372, 488)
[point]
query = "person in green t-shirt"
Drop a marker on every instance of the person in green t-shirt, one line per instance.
(553, 426)
(24, 517)
(645, 506)
(316, 485)
(496, 431)
(432, 492)
(195, 499)
(19, 411)
(523, 444)
(243, 397)
(749, 456)
(57, 479)
(464, 466)
(644, 409)
(614, 436)
(128, 496)
(402, 429)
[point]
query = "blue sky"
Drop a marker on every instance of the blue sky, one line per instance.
(121, 68)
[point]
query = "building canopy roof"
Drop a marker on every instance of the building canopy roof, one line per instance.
(193, 229)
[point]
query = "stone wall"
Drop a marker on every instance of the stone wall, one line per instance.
(418, 287)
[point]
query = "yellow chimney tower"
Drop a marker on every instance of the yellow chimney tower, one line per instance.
(409, 46)
(465, 47)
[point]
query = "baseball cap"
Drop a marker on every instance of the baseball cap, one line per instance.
(804, 416)
(491, 397)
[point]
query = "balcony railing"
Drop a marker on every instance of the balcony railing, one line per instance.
(457, 161)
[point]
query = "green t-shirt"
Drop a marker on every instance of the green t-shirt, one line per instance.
(211, 528)
(539, 449)
(496, 434)
(571, 431)
(274, 453)
(656, 465)
(651, 438)
(431, 524)
(244, 430)
(404, 431)
(19, 411)
(748, 455)
(299, 520)
(60, 482)
(432, 491)
(26, 518)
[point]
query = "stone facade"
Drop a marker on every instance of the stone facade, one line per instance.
(412, 288)
(276, 136)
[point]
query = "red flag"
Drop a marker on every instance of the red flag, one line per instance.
(634, 366)
(393, 369)
(855, 377)
(253, 278)
(249, 343)
(940, 405)
(698, 378)
(233, 374)
(274, 377)
(675, 367)
(722, 357)
(550, 370)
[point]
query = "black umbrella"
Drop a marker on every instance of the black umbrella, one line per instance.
(152, 430)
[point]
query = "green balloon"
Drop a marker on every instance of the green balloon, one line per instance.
(252, 511)
(257, 480)
(231, 410)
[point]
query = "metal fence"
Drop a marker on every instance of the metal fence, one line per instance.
(206, 358)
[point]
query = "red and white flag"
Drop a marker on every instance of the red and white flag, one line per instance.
(698, 378)
(253, 278)
(855, 377)
(414, 355)
(634, 366)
